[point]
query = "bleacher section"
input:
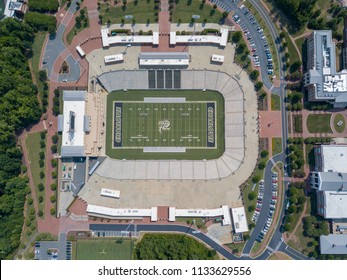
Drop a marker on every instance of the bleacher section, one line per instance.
(222, 167)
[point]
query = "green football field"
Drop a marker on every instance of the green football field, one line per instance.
(96, 249)
(153, 119)
(164, 124)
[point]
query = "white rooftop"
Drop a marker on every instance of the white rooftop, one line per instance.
(221, 39)
(110, 193)
(136, 39)
(239, 219)
(119, 213)
(334, 158)
(113, 58)
(74, 109)
(335, 205)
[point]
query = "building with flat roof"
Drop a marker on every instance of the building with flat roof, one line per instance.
(73, 124)
(239, 219)
(164, 59)
(330, 181)
(331, 158)
(333, 244)
(321, 80)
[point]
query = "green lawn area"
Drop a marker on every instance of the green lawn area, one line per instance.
(319, 123)
(238, 247)
(33, 146)
(35, 59)
(276, 146)
(242, 59)
(299, 241)
(184, 10)
(77, 28)
(132, 125)
(268, 37)
(339, 129)
(142, 11)
(297, 123)
(199, 222)
(102, 249)
(275, 102)
(299, 43)
(294, 56)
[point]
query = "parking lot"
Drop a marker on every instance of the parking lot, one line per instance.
(273, 201)
(53, 250)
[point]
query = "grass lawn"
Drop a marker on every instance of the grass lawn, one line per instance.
(339, 129)
(299, 43)
(236, 246)
(297, 122)
(184, 10)
(268, 37)
(294, 56)
(299, 241)
(35, 59)
(279, 256)
(242, 59)
(133, 122)
(275, 102)
(101, 249)
(75, 29)
(199, 222)
(319, 123)
(33, 146)
(276, 146)
(142, 11)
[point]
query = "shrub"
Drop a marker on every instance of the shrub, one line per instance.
(41, 187)
(54, 149)
(40, 199)
(54, 175)
(42, 174)
(53, 199)
(52, 211)
(54, 187)
(23, 168)
(42, 144)
(54, 162)
(41, 163)
(251, 208)
(261, 165)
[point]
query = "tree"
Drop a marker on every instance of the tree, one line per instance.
(264, 153)
(54, 175)
(55, 139)
(52, 211)
(254, 75)
(291, 209)
(251, 196)
(53, 199)
(41, 187)
(100, 18)
(54, 149)
(258, 85)
(261, 165)
(251, 208)
(225, 14)
(256, 179)
(42, 174)
(236, 37)
(215, 6)
(54, 187)
(287, 227)
(42, 75)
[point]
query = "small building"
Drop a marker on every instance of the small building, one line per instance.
(239, 219)
(333, 244)
(217, 58)
(113, 58)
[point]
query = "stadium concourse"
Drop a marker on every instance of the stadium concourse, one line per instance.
(179, 183)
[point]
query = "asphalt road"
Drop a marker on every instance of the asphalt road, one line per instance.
(55, 47)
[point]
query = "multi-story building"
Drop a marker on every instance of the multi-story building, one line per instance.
(322, 81)
(330, 181)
